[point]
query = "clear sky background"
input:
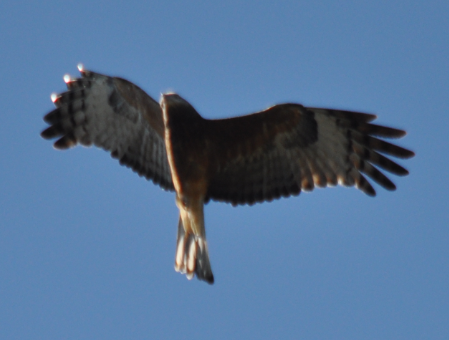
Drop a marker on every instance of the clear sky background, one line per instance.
(87, 246)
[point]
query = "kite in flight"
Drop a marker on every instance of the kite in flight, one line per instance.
(243, 160)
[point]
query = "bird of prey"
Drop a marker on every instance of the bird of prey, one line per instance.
(242, 160)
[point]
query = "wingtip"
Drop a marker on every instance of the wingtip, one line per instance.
(410, 154)
(54, 97)
(404, 173)
(67, 78)
(43, 135)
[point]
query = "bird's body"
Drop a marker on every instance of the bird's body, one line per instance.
(190, 165)
(243, 160)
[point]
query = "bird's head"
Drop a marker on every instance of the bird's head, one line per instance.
(176, 109)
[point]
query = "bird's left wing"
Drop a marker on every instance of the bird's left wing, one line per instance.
(113, 114)
(288, 148)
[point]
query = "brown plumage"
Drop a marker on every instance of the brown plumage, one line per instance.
(244, 160)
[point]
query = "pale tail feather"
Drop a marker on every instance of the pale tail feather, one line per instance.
(192, 255)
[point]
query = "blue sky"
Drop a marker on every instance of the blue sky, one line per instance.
(87, 246)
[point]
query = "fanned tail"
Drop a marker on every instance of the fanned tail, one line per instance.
(192, 255)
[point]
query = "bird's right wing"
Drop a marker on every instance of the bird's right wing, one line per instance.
(115, 115)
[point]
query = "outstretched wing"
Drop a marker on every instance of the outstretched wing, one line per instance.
(115, 115)
(288, 148)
